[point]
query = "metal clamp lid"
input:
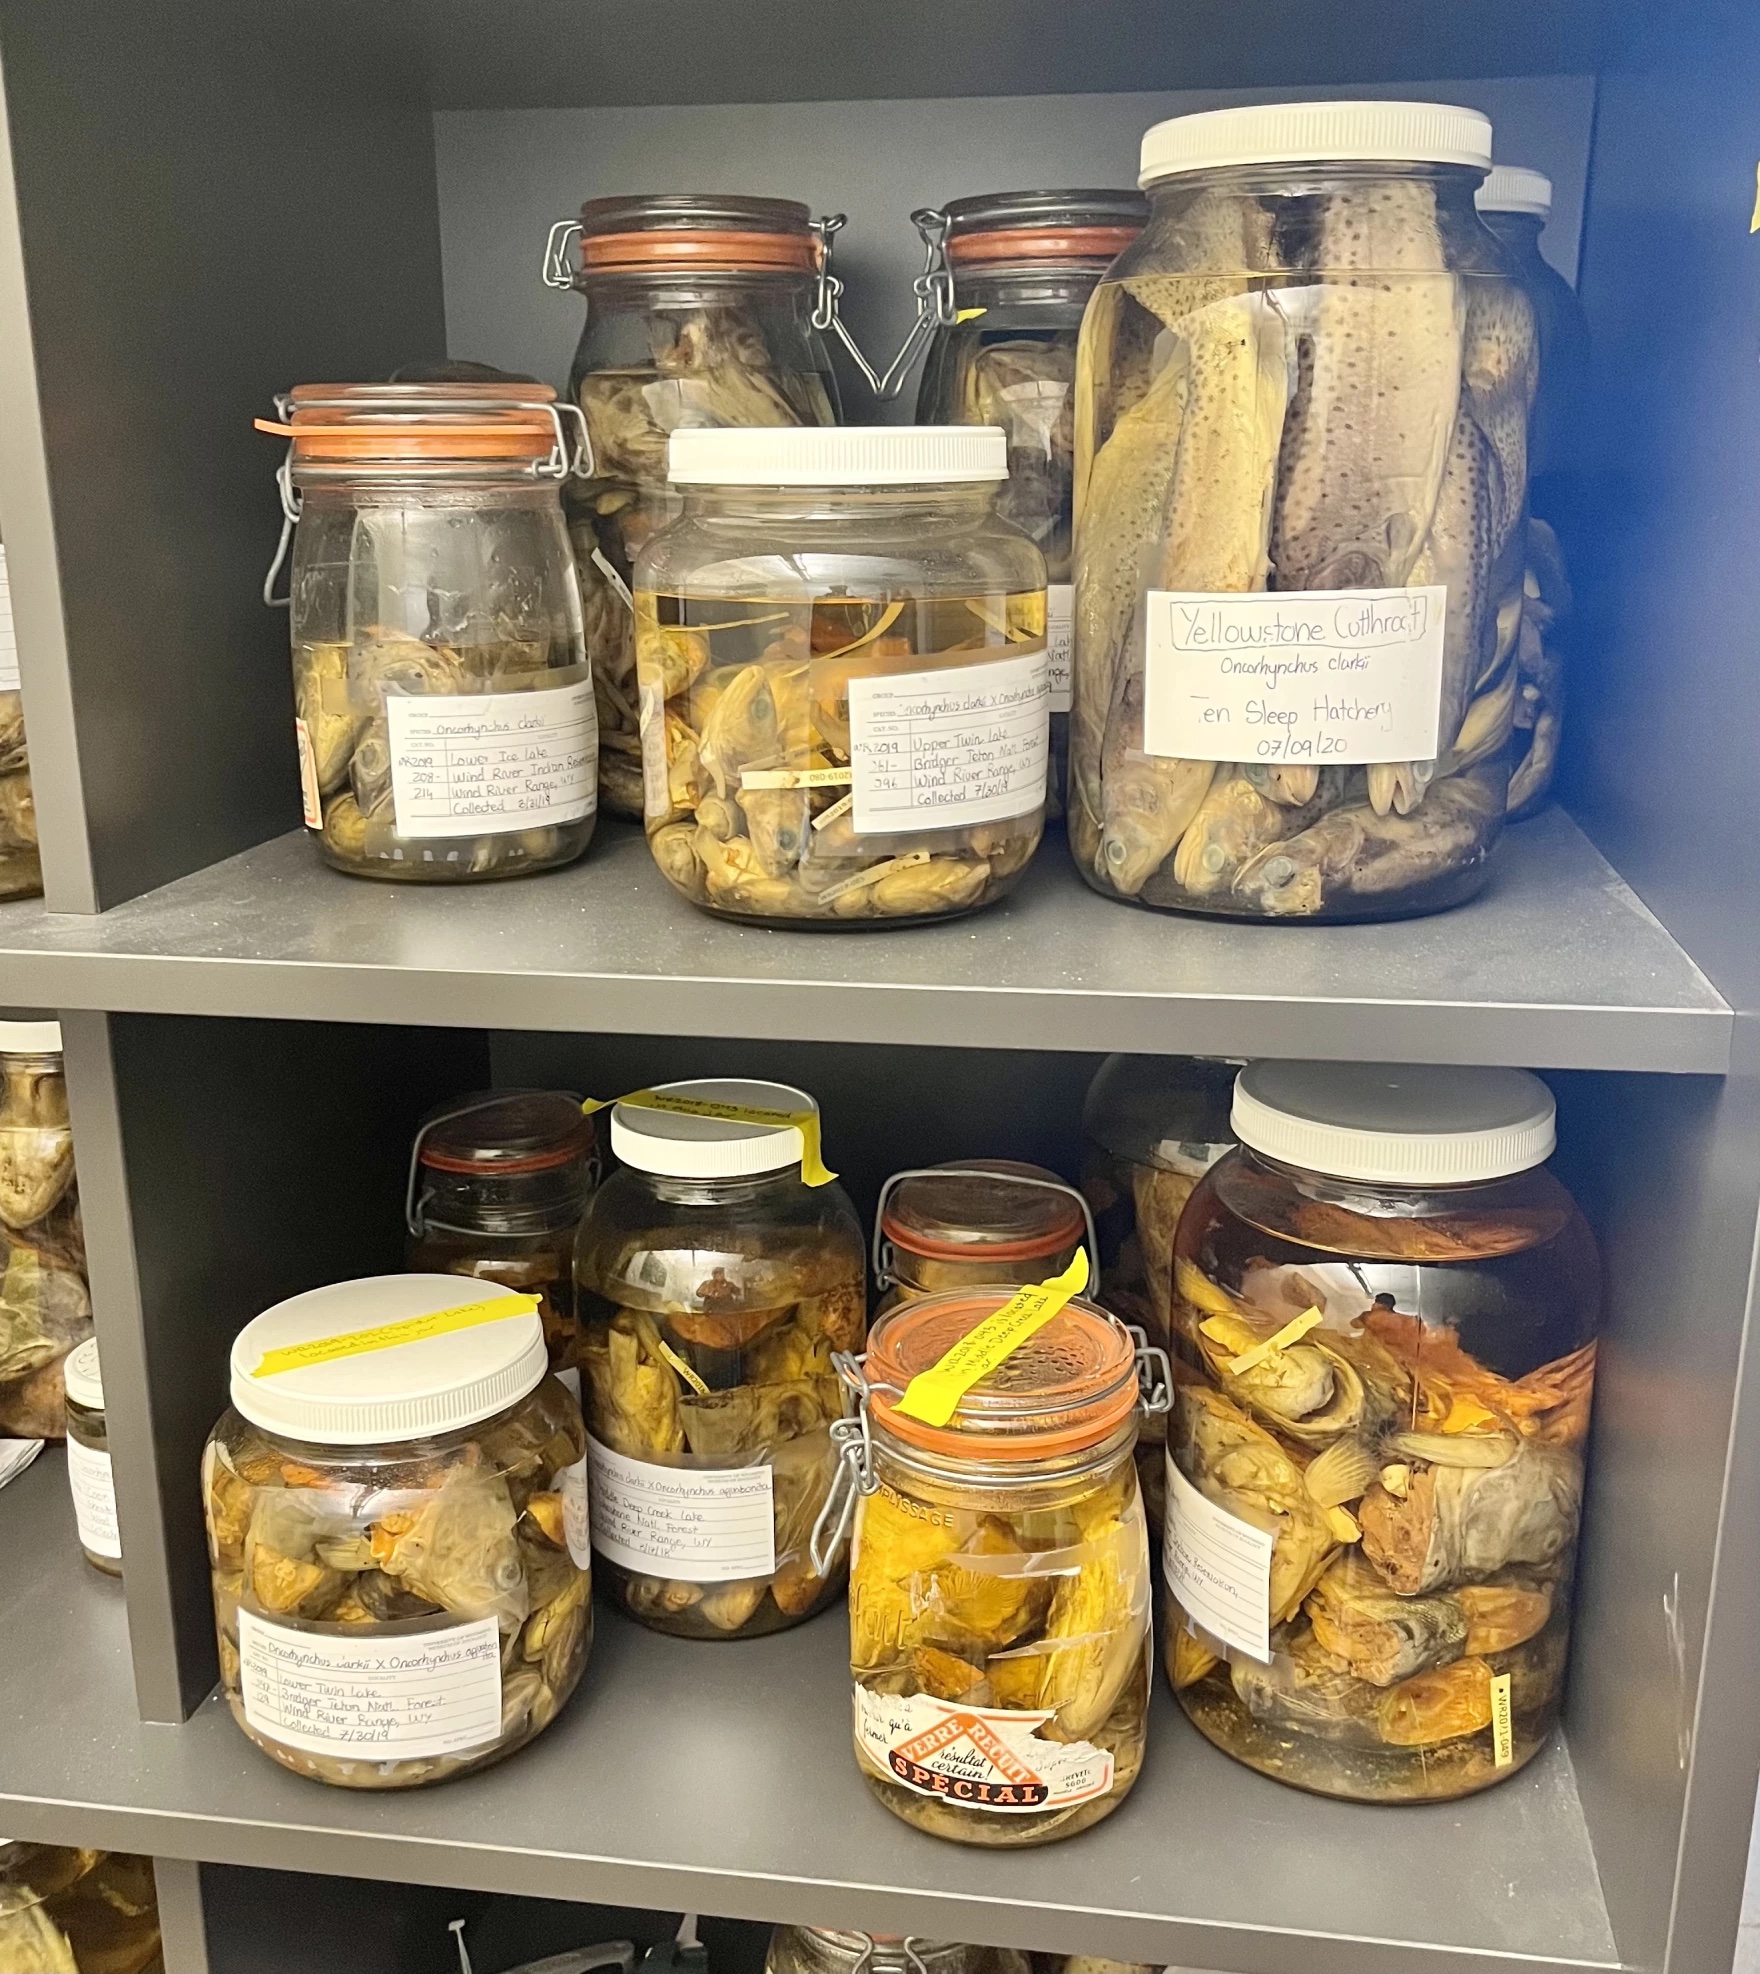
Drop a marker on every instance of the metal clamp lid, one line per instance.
(933, 289)
(884, 1253)
(413, 1217)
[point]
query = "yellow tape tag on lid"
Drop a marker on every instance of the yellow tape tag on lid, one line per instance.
(388, 1336)
(814, 1170)
(934, 1395)
(1292, 1332)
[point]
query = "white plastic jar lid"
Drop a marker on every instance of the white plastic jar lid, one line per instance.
(837, 455)
(30, 1038)
(1316, 133)
(1396, 1123)
(388, 1390)
(679, 1146)
(1514, 188)
(79, 1373)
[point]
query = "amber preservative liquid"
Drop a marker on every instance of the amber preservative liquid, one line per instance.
(1386, 1309)
(844, 678)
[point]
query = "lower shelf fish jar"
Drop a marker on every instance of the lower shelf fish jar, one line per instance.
(397, 1523)
(1385, 1313)
(999, 1594)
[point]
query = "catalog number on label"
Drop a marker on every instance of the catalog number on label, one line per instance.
(1060, 614)
(484, 763)
(1318, 677)
(985, 1758)
(700, 1525)
(1218, 1566)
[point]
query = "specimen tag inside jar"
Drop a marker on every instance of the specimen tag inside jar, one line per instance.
(1060, 612)
(310, 800)
(1218, 1567)
(934, 1395)
(796, 777)
(1503, 1750)
(420, 1694)
(387, 1336)
(485, 763)
(949, 748)
(1308, 676)
(698, 1524)
(1292, 1332)
(983, 1758)
(813, 1167)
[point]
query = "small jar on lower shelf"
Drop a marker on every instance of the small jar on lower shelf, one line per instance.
(64, 1910)
(823, 1950)
(398, 1494)
(999, 1595)
(88, 1461)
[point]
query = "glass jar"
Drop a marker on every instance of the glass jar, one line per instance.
(1387, 1310)
(88, 1460)
(845, 687)
(1310, 376)
(713, 1285)
(1515, 204)
(1023, 265)
(397, 1523)
(21, 869)
(45, 1306)
(497, 1185)
(699, 313)
(820, 1950)
(999, 1600)
(77, 1912)
(445, 718)
(971, 1223)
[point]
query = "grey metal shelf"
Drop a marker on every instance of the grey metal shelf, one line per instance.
(719, 1779)
(1559, 965)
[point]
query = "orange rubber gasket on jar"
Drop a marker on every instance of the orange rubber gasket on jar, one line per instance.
(1041, 243)
(603, 253)
(1069, 1386)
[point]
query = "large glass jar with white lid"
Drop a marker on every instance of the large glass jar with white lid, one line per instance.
(397, 1525)
(498, 1182)
(971, 1223)
(66, 1911)
(700, 312)
(1387, 1309)
(444, 708)
(845, 684)
(1022, 266)
(716, 1273)
(1301, 477)
(822, 1950)
(999, 1597)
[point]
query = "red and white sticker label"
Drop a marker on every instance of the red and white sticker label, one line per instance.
(311, 803)
(986, 1758)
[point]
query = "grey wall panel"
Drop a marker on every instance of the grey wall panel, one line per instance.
(213, 208)
(505, 175)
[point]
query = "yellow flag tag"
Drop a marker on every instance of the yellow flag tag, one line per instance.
(813, 1167)
(1503, 1740)
(970, 314)
(387, 1336)
(682, 1367)
(1290, 1333)
(934, 1395)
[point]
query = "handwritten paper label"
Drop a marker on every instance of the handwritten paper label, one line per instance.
(1320, 675)
(986, 1758)
(8, 636)
(94, 1499)
(1060, 616)
(428, 1692)
(1218, 1566)
(697, 1524)
(945, 749)
(484, 763)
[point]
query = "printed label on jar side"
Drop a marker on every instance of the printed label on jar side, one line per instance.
(571, 1484)
(424, 1693)
(311, 802)
(700, 1525)
(1060, 617)
(8, 636)
(984, 1758)
(1191, 1158)
(1316, 677)
(485, 763)
(946, 749)
(1218, 1566)
(94, 1499)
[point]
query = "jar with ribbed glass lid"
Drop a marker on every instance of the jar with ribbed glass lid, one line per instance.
(445, 721)
(497, 1184)
(717, 1272)
(973, 1222)
(397, 1527)
(999, 1593)
(845, 684)
(1301, 480)
(66, 1911)
(1022, 266)
(700, 312)
(88, 1460)
(822, 1950)
(1387, 1310)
